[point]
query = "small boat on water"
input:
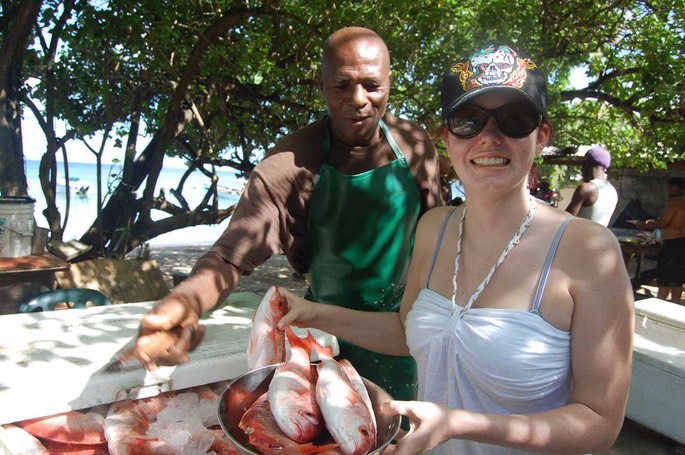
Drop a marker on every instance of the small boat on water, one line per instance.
(76, 185)
(225, 190)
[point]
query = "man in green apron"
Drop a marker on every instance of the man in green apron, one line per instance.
(340, 197)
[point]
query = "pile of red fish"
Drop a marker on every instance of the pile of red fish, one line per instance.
(304, 401)
(122, 428)
(323, 409)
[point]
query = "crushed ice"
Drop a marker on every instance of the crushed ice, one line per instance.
(183, 423)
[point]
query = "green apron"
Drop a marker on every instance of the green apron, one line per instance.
(361, 234)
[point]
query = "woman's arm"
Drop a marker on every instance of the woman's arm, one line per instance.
(585, 192)
(381, 332)
(376, 331)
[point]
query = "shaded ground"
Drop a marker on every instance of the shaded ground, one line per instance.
(179, 261)
(634, 439)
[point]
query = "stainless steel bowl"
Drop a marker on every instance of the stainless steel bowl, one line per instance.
(244, 390)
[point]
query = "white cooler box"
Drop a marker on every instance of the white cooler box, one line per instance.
(657, 389)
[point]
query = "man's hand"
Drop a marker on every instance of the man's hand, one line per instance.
(168, 333)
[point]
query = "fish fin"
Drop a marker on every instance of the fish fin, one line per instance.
(349, 370)
(294, 340)
(322, 352)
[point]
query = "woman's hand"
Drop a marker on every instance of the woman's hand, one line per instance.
(301, 312)
(428, 424)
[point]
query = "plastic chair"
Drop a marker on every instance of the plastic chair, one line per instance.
(46, 301)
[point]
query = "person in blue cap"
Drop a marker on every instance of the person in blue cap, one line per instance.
(519, 315)
(596, 198)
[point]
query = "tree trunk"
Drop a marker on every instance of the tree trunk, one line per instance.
(122, 212)
(17, 23)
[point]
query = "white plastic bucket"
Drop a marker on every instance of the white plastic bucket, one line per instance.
(16, 226)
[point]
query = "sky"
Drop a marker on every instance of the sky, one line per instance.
(34, 140)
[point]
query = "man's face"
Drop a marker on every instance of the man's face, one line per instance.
(356, 84)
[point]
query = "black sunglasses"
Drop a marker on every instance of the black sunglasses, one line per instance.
(516, 120)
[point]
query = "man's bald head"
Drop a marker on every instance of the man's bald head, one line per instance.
(352, 35)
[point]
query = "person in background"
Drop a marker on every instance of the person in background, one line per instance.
(670, 265)
(596, 198)
(341, 198)
(519, 315)
(547, 194)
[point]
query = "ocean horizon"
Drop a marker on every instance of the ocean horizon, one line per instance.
(83, 207)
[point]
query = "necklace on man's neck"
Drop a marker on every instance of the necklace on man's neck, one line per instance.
(532, 207)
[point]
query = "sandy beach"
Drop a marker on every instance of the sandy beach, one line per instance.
(179, 261)
(634, 439)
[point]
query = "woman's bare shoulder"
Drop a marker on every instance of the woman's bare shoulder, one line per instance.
(435, 217)
(590, 255)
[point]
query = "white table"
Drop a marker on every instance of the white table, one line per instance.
(53, 361)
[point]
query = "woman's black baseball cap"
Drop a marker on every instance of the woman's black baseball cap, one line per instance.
(495, 67)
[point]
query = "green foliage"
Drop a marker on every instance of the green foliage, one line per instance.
(634, 103)
(120, 62)
(258, 82)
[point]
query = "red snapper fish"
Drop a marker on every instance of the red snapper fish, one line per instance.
(267, 342)
(21, 441)
(259, 425)
(358, 385)
(348, 418)
(73, 427)
(126, 428)
(292, 392)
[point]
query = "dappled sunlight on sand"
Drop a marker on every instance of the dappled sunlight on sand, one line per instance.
(179, 261)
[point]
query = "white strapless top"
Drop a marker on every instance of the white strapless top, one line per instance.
(488, 360)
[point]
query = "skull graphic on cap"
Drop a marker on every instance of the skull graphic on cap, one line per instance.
(493, 68)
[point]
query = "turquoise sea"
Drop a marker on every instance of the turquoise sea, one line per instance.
(82, 208)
